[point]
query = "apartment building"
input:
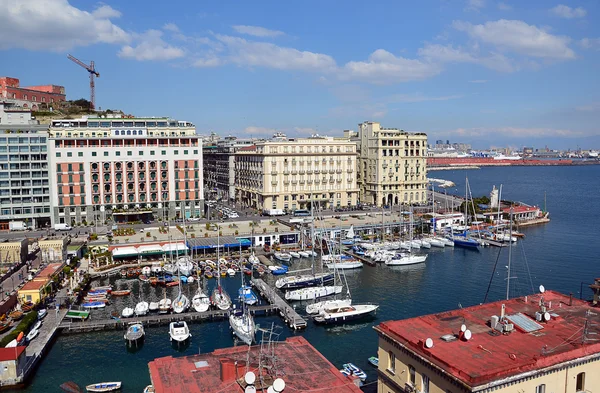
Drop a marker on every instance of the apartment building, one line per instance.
(541, 343)
(124, 169)
(219, 165)
(24, 177)
(392, 165)
(290, 173)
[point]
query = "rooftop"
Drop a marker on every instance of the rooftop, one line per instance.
(300, 365)
(33, 286)
(520, 209)
(49, 270)
(491, 356)
(11, 353)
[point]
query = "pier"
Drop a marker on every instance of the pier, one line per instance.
(287, 312)
(364, 260)
(154, 320)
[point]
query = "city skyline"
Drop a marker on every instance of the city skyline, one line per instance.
(477, 71)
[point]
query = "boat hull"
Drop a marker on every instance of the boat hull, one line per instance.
(305, 281)
(326, 318)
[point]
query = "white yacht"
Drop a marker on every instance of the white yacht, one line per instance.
(242, 324)
(185, 266)
(345, 314)
(345, 264)
(406, 259)
(200, 301)
(179, 331)
(283, 256)
(181, 303)
(295, 254)
(435, 242)
(221, 299)
(313, 292)
(316, 308)
(153, 306)
(164, 306)
(141, 308)
(304, 254)
(304, 280)
(127, 312)
(253, 259)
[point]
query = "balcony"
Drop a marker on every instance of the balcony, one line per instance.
(317, 171)
(294, 172)
(338, 171)
(274, 182)
(331, 180)
(274, 172)
(286, 172)
(294, 181)
(286, 182)
(385, 166)
(349, 170)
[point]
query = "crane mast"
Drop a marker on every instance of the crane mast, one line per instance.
(91, 69)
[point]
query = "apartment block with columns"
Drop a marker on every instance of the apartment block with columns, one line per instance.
(124, 169)
(392, 165)
(288, 174)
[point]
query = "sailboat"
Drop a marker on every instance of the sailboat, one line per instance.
(181, 303)
(200, 301)
(142, 307)
(463, 240)
(164, 305)
(409, 258)
(245, 293)
(242, 323)
(220, 298)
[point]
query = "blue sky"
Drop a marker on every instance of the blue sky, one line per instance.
(491, 73)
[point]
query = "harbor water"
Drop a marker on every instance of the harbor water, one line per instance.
(560, 255)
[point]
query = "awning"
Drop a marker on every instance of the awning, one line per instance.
(242, 242)
(170, 247)
(121, 252)
(151, 249)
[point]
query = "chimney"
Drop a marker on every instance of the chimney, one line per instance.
(571, 299)
(228, 369)
(502, 312)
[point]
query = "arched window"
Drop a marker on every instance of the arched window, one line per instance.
(580, 384)
(412, 375)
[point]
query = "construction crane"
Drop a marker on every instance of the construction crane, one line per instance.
(93, 73)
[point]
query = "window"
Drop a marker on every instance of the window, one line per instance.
(425, 383)
(152, 152)
(80, 154)
(391, 362)
(540, 388)
(129, 153)
(105, 154)
(141, 152)
(176, 152)
(580, 385)
(185, 152)
(163, 153)
(57, 154)
(93, 154)
(69, 154)
(195, 151)
(412, 377)
(117, 153)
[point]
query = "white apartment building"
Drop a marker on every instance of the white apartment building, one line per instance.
(288, 173)
(127, 169)
(392, 165)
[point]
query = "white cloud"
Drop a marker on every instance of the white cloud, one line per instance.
(211, 61)
(383, 67)
(504, 7)
(151, 46)
(513, 132)
(172, 27)
(257, 31)
(449, 54)
(410, 98)
(479, 81)
(593, 107)
(567, 12)
(519, 37)
(590, 43)
(55, 25)
(250, 53)
(475, 4)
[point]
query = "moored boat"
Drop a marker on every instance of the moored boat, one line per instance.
(141, 308)
(95, 304)
(374, 360)
(124, 292)
(179, 331)
(247, 295)
(103, 387)
(354, 370)
(282, 256)
(135, 331)
(242, 324)
(127, 312)
(302, 281)
(345, 314)
(313, 292)
(317, 307)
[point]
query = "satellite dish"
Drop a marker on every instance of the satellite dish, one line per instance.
(271, 390)
(467, 335)
(250, 389)
(542, 289)
(278, 385)
(546, 316)
(429, 343)
(250, 377)
(463, 327)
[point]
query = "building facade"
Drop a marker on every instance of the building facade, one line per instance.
(392, 165)
(219, 166)
(33, 97)
(124, 169)
(542, 343)
(24, 175)
(290, 173)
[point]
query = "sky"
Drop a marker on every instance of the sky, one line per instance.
(490, 73)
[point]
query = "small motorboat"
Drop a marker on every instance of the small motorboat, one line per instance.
(164, 306)
(135, 331)
(92, 305)
(12, 344)
(354, 370)
(278, 270)
(16, 315)
(153, 306)
(173, 283)
(42, 313)
(70, 387)
(374, 360)
(304, 254)
(5, 326)
(295, 254)
(149, 389)
(208, 274)
(103, 387)
(231, 272)
(146, 270)
(33, 333)
(107, 288)
(179, 331)
(247, 295)
(144, 278)
(127, 312)
(283, 256)
(124, 292)
(37, 325)
(141, 308)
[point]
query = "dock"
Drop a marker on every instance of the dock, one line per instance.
(265, 261)
(495, 243)
(367, 261)
(287, 312)
(154, 320)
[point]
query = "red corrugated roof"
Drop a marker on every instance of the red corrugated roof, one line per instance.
(470, 362)
(11, 353)
(33, 285)
(520, 209)
(301, 366)
(247, 148)
(49, 270)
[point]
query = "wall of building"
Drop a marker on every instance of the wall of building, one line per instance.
(13, 251)
(30, 96)
(289, 174)
(53, 250)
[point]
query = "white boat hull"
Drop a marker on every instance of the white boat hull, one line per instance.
(317, 307)
(407, 260)
(200, 302)
(243, 327)
(345, 265)
(313, 292)
(141, 309)
(345, 314)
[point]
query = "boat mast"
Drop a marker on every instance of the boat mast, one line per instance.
(509, 253)
(312, 236)
(499, 200)
(218, 260)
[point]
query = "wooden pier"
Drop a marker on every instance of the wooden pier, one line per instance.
(265, 261)
(360, 258)
(287, 312)
(91, 325)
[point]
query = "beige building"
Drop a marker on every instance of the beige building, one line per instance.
(13, 251)
(53, 250)
(543, 343)
(287, 173)
(392, 165)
